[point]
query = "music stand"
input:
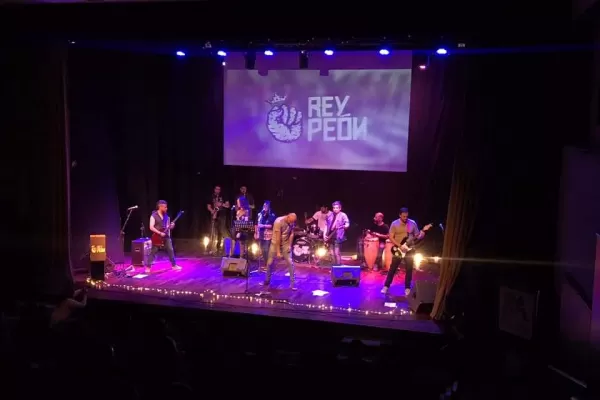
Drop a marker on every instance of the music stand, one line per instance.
(244, 227)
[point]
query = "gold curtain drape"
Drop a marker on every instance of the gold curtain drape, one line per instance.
(462, 211)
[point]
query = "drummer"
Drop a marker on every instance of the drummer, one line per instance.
(379, 230)
(321, 218)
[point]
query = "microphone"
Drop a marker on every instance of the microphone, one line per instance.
(132, 208)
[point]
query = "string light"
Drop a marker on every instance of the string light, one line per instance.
(210, 296)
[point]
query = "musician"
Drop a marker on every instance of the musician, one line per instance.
(218, 208)
(265, 221)
(281, 245)
(161, 224)
(400, 229)
(337, 224)
(381, 231)
(245, 200)
(321, 218)
(241, 237)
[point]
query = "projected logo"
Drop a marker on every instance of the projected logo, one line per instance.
(283, 121)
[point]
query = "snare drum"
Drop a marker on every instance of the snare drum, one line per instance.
(301, 250)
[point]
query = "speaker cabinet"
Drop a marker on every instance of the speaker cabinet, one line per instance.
(97, 270)
(140, 252)
(234, 266)
(422, 296)
(345, 275)
(97, 248)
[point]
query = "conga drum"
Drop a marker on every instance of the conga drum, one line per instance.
(387, 254)
(371, 248)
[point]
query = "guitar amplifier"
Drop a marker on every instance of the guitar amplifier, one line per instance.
(140, 252)
(97, 248)
(234, 266)
(345, 275)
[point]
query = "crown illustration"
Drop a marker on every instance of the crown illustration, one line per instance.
(276, 99)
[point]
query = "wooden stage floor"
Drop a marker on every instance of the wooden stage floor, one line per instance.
(201, 284)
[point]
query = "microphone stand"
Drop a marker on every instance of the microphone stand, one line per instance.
(122, 239)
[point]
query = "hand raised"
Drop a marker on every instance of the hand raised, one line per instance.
(284, 123)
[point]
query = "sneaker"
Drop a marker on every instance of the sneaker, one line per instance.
(406, 292)
(384, 290)
(176, 268)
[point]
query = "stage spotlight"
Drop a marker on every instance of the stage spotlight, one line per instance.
(180, 54)
(206, 241)
(221, 53)
(418, 259)
(422, 67)
(384, 52)
(441, 51)
(254, 249)
(321, 252)
(268, 53)
(328, 52)
(436, 259)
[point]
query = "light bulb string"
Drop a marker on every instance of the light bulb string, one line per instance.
(209, 296)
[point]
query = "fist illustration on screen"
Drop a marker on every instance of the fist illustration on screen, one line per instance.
(284, 122)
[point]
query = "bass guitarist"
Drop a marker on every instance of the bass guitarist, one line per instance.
(404, 232)
(161, 225)
(337, 224)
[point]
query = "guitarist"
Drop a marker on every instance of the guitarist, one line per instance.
(161, 224)
(400, 230)
(337, 224)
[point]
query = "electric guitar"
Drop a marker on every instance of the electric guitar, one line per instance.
(402, 250)
(159, 240)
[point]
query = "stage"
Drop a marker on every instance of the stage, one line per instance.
(201, 284)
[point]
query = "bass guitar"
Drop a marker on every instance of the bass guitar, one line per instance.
(159, 240)
(402, 250)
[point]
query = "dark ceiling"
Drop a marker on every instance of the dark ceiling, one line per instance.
(411, 26)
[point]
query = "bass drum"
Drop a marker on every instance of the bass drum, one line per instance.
(301, 250)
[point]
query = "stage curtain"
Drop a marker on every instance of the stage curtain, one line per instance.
(36, 130)
(462, 212)
(157, 116)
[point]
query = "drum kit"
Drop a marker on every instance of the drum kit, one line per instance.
(308, 246)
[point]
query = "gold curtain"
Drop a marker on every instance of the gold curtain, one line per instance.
(462, 211)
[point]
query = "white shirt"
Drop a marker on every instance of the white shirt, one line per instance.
(321, 219)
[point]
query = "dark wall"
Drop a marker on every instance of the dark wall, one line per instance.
(158, 120)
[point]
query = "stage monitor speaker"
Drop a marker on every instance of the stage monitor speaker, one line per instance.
(140, 252)
(97, 270)
(97, 248)
(422, 296)
(234, 266)
(345, 275)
